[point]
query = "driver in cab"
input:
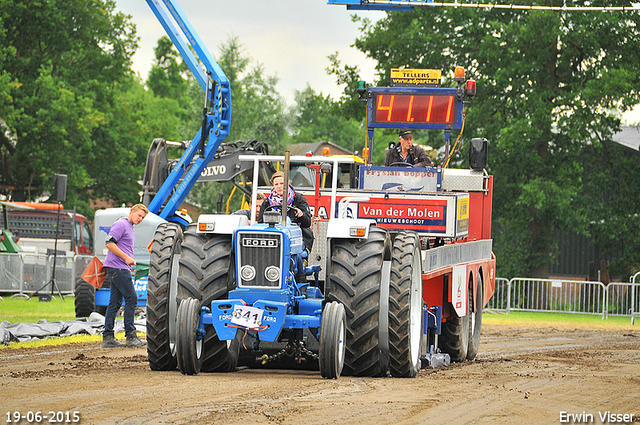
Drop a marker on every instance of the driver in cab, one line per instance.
(296, 204)
(406, 154)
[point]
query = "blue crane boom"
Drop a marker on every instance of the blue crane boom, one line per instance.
(385, 5)
(216, 112)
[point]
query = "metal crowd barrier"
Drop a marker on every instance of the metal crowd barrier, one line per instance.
(500, 299)
(567, 296)
(635, 298)
(23, 274)
(558, 296)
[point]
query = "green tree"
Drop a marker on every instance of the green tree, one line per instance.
(171, 80)
(547, 82)
(137, 117)
(349, 105)
(63, 64)
(169, 77)
(318, 118)
(258, 111)
(612, 184)
(258, 108)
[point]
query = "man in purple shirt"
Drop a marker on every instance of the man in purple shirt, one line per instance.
(118, 266)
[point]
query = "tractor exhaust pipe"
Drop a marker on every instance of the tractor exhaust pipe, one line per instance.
(285, 189)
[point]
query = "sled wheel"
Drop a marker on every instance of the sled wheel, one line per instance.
(332, 340)
(475, 320)
(189, 343)
(455, 336)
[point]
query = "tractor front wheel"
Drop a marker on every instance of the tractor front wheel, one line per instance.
(332, 340)
(189, 343)
(206, 274)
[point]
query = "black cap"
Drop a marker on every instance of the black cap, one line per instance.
(405, 133)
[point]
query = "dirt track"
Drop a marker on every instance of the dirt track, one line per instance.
(525, 376)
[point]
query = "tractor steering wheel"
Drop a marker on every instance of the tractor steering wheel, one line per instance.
(405, 164)
(273, 207)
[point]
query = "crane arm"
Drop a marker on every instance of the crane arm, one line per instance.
(216, 113)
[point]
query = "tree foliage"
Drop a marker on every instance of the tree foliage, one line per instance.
(612, 185)
(318, 118)
(547, 83)
(64, 66)
(169, 77)
(258, 111)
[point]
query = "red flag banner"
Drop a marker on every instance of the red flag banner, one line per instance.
(94, 274)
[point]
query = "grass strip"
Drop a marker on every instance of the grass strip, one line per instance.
(543, 319)
(20, 310)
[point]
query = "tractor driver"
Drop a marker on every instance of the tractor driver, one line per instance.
(299, 212)
(405, 153)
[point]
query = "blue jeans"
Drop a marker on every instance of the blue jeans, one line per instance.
(121, 287)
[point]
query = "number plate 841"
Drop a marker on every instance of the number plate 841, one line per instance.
(249, 317)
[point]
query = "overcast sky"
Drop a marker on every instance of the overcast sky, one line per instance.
(290, 38)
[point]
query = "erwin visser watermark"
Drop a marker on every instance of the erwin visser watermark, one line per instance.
(605, 417)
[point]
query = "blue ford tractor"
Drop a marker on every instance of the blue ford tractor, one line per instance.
(191, 267)
(256, 283)
(249, 293)
(271, 299)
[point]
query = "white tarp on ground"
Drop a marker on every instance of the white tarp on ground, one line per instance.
(21, 332)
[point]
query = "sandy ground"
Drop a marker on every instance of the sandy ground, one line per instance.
(521, 376)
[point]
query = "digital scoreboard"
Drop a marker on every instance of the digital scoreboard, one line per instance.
(414, 107)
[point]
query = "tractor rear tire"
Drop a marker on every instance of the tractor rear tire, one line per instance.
(332, 340)
(188, 346)
(475, 322)
(85, 298)
(162, 302)
(455, 336)
(206, 274)
(406, 316)
(358, 279)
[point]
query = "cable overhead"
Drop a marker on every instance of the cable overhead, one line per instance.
(427, 3)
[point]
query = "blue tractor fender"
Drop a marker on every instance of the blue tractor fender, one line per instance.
(104, 294)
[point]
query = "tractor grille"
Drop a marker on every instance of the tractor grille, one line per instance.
(261, 251)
